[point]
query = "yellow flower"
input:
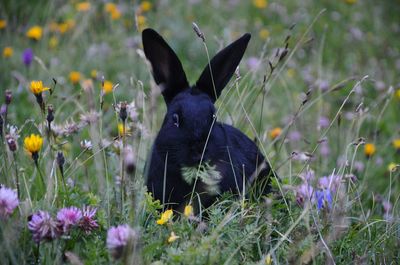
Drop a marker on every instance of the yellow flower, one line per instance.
(274, 133)
(121, 129)
(398, 94)
(291, 72)
(110, 7)
(188, 210)
(33, 143)
(3, 23)
(350, 2)
(268, 260)
(37, 87)
(107, 87)
(172, 237)
(392, 167)
(53, 42)
(7, 52)
(165, 217)
(264, 34)
(369, 149)
(116, 14)
(82, 6)
(145, 6)
(35, 33)
(93, 74)
(74, 77)
(141, 22)
(63, 27)
(396, 143)
(260, 3)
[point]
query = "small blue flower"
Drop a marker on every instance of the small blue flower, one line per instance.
(324, 198)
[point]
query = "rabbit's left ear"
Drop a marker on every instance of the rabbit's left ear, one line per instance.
(223, 65)
(167, 68)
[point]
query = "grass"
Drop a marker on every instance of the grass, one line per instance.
(335, 89)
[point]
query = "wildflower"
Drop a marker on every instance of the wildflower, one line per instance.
(392, 167)
(145, 6)
(263, 33)
(50, 115)
(304, 193)
(107, 87)
(11, 142)
(350, 2)
(268, 260)
(3, 24)
(118, 238)
(74, 77)
(8, 97)
(93, 74)
(141, 22)
(86, 144)
(87, 223)
(60, 162)
(332, 182)
(165, 217)
(308, 175)
(34, 33)
(290, 72)
(323, 122)
(324, 199)
(42, 226)
(294, 136)
(115, 14)
(253, 63)
(37, 87)
(33, 144)
(369, 149)
(110, 7)
(396, 144)
(260, 4)
(172, 237)
(129, 160)
(53, 42)
(8, 201)
(27, 56)
(274, 133)
(188, 211)
(397, 94)
(82, 6)
(122, 129)
(324, 149)
(68, 217)
(7, 52)
(122, 111)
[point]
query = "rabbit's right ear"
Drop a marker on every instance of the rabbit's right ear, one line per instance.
(167, 69)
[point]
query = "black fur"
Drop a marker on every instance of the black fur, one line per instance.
(190, 120)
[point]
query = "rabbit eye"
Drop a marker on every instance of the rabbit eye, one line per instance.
(175, 118)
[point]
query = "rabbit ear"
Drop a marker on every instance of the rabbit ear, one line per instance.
(223, 65)
(167, 69)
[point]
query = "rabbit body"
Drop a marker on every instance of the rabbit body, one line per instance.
(190, 134)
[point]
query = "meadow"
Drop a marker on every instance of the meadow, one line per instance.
(318, 90)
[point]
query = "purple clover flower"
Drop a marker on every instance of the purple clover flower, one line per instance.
(27, 56)
(117, 238)
(87, 223)
(8, 201)
(304, 193)
(42, 226)
(68, 217)
(324, 199)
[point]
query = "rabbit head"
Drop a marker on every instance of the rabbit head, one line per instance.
(190, 109)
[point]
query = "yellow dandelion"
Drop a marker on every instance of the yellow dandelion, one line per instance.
(121, 130)
(37, 87)
(35, 33)
(268, 260)
(53, 42)
(145, 6)
(274, 133)
(369, 149)
(33, 143)
(290, 72)
(107, 87)
(93, 74)
(74, 77)
(62, 27)
(3, 24)
(82, 6)
(172, 237)
(350, 2)
(116, 14)
(263, 34)
(392, 167)
(110, 7)
(188, 211)
(141, 22)
(7, 52)
(165, 217)
(396, 143)
(398, 94)
(260, 3)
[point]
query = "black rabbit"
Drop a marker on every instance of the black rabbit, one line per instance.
(190, 134)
